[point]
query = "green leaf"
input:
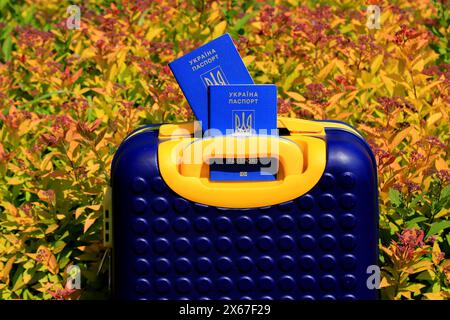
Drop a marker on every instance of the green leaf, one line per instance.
(426, 275)
(395, 197)
(7, 48)
(290, 79)
(417, 199)
(242, 22)
(19, 283)
(445, 193)
(413, 222)
(437, 227)
(3, 3)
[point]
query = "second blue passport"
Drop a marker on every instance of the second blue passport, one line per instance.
(243, 110)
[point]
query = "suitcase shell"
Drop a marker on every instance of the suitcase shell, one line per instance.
(317, 246)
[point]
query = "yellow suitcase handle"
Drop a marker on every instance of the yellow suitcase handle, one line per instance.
(302, 162)
(196, 156)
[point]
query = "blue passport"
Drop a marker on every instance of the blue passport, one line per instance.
(243, 110)
(216, 63)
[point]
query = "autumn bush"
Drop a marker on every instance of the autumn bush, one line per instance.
(69, 97)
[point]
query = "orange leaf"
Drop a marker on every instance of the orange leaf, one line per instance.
(296, 96)
(334, 99)
(441, 164)
(10, 208)
(4, 276)
(47, 258)
(80, 210)
(436, 255)
(76, 76)
(47, 196)
(370, 130)
(399, 138)
(89, 222)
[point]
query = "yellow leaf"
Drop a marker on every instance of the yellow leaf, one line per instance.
(421, 266)
(152, 33)
(405, 294)
(415, 136)
(296, 96)
(24, 128)
(351, 97)
(215, 13)
(248, 60)
(92, 167)
(376, 63)
(77, 91)
(46, 165)
(51, 228)
(113, 72)
(304, 106)
(418, 66)
(434, 296)
(15, 181)
(204, 32)
(290, 79)
(219, 29)
(87, 53)
(121, 58)
(27, 276)
(326, 70)
(433, 118)
(341, 66)
(389, 84)
(415, 288)
(386, 283)
(257, 25)
(442, 213)
(422, 92)
(441, 164)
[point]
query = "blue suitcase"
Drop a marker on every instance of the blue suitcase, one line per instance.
(312, 234)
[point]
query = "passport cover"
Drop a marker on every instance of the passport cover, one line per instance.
(216, 63)
(242, 110)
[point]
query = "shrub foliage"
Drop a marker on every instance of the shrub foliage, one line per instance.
(68, 98)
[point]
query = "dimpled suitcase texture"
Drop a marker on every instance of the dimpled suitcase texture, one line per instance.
(180, 240)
